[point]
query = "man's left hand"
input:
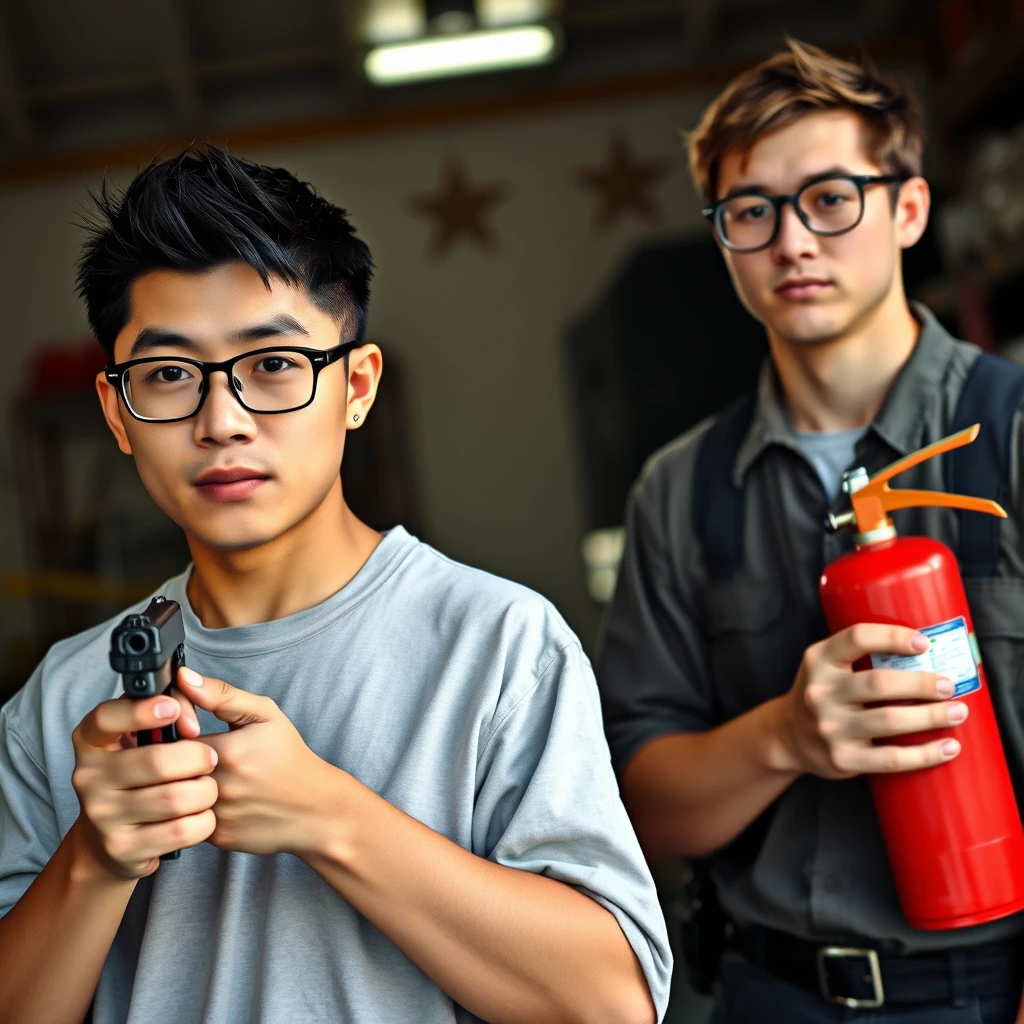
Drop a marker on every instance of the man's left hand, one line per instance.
(267, 778)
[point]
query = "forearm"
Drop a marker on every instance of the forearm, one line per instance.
(509, 946)
(54, 941)
(688, 794)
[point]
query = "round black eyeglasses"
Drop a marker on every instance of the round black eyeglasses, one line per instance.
(165, 389)
(830, 205)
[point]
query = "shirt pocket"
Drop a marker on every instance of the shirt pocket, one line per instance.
(997, 611)
(750, 645)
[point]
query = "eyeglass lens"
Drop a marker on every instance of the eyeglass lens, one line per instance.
(170, 389)
(826, 207)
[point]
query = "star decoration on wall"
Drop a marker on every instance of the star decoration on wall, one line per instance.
(459, 209)
(623, 185)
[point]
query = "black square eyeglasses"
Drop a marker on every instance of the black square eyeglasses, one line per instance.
(165, 389)
(830, 205)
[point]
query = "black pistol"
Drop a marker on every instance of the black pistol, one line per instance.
(147, 649)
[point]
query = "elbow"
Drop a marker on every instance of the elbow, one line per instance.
(664, 838)
(618, 1000)
(627, 1006)
(636, 1007)
(695, 847)
(673, 832)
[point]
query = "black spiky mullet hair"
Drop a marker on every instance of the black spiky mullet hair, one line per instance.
(204, 208)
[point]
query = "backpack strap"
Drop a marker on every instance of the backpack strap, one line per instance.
(717, 504)
(991, 396)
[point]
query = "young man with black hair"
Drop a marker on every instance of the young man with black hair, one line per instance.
(399, 805)
(739, 731)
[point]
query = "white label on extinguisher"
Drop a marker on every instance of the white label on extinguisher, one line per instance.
(951, 655)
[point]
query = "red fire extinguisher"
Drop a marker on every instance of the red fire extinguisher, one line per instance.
(952, 832)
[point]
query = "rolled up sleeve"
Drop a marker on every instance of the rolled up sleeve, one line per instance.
(548, 803)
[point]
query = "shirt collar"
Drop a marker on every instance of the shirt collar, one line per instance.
(900, 422)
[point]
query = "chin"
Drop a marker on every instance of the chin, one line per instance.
(236, 541)
(234, 533)
(807, 325)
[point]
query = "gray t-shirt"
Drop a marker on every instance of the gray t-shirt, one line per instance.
(831, 453)
(461, 698)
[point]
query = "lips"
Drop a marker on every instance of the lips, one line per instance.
(229, 476)
(802, 287)
(232, 484)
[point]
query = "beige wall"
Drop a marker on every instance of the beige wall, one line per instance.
(480, 333)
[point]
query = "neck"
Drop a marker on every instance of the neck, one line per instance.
(841, 383)
(295, 571)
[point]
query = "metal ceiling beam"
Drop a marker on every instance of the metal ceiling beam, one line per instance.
(697, 18)
(229, 67)
(13, 107)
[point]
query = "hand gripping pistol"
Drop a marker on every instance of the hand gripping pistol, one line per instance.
(147, 649)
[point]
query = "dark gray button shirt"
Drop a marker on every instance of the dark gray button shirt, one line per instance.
(682, 653)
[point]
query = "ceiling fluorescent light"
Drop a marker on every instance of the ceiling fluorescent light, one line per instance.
(470, 53)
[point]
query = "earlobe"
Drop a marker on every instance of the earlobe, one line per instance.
(366, 365)
(914, 206)
(112, 412)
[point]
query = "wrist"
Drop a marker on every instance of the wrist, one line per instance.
(326, 829)
(85, 865)
(781, 752)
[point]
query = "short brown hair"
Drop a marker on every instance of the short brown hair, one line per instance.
(795, 82)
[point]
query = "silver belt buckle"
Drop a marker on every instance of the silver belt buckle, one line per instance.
(827, 953)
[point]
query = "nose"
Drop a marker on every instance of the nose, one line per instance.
(222, 418)
(794, 241)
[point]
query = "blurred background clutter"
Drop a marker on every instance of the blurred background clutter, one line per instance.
(550, 303)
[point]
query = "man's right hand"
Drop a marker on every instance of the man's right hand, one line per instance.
(828, 724)
(140, 802)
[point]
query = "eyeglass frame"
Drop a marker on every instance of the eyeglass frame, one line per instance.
(319, 359)
(778, 202)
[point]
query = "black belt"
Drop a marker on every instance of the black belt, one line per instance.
(865, 977)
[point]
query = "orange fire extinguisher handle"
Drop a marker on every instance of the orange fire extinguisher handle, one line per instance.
(875, 500)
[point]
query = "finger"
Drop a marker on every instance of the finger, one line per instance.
(897, 720)
(109, 720)
(188, 721)
(160, 763)
(170, 800)
(177, 834)
(878, 760)
(882, 684)
(225, 746)
(853, 643)
(230, 704)
(127, 739)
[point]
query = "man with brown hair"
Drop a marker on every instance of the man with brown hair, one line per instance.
(740, 732)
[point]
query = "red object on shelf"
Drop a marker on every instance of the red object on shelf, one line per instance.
(61, 368)
(952, 832)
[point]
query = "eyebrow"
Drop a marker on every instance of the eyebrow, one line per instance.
(150, 338)
(741, 190)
